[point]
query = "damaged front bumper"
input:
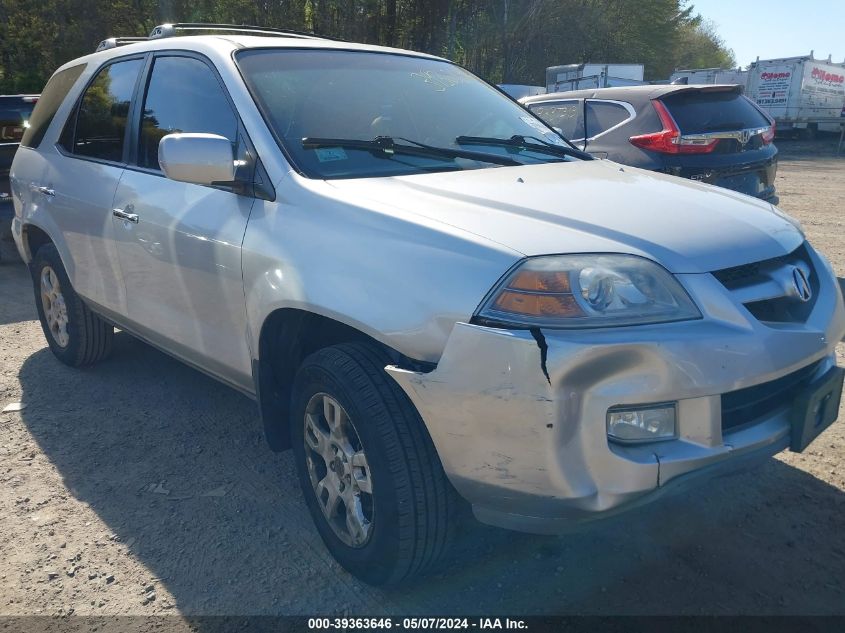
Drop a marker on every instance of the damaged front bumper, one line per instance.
(519, 418)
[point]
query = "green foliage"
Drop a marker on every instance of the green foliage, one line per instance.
(502, 40)
(699, 46)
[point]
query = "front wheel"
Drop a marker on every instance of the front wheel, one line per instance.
(370, 475)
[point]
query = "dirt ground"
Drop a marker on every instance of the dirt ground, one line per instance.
(140, 486)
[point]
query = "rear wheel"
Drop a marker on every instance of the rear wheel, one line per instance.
(370, 475)
(75, 335)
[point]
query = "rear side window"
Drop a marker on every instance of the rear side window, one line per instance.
(699, 112)
(603, 115)
(51, 98)
(183, 95)
(564, 115)
(100, 130)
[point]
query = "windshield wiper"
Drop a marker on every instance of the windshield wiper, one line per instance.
(387, 145)
(520, 142)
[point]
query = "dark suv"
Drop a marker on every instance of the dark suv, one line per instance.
(713, 134)
(15, 111)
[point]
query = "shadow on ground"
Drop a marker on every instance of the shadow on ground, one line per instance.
(825, 145)
(16, 301)
(232, 536)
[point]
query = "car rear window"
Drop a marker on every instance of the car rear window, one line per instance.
(698, 112)
(15, 113)
(48, 103)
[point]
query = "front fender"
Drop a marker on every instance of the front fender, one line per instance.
(401, 280)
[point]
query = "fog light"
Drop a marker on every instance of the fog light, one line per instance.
(642, 424)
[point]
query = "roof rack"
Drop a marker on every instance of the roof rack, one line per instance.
(170, 30)
(173, 29)
(114, 42)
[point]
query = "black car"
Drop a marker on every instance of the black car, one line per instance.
(15, 111)
(710, 133)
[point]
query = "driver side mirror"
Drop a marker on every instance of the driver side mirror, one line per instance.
(200, 159)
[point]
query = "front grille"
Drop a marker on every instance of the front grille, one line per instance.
(736, 275)
(749, 273)
(744, 406)
(783, 309)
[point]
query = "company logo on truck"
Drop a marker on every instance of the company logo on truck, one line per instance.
(819, 74)
(773, 88)
(775, 76)
(826, 85)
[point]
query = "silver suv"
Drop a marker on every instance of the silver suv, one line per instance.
(432, 296)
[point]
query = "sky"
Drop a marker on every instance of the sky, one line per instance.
(778, 28)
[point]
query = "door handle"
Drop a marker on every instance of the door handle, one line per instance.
(46, 191)
(123, 215)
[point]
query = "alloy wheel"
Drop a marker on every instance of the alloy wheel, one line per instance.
(338, 470)
(55, 308)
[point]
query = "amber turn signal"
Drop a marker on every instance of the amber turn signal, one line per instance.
(538, 305)
(541, 281)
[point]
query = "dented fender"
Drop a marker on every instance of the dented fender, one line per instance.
(507, 436)
(518, 417)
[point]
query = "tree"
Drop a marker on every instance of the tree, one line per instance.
(501, 40)
(699, 46)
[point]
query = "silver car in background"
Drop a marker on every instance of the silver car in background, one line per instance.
(433, 298)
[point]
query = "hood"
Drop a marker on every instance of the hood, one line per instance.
(593, 207)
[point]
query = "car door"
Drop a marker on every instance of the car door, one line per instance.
(567, 115)
(80, 179)
(180, 243)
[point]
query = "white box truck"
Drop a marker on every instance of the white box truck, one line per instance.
(800, 93)
(592, 75)
(710, 76)
(519, 91)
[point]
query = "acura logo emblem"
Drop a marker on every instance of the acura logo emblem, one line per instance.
(802, 286)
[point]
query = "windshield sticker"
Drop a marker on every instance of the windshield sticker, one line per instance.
(547, 134)
(328, 154)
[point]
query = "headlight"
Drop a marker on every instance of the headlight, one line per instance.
(583, 291)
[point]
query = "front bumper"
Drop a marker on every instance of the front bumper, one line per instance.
(521, 432)
(752, 173)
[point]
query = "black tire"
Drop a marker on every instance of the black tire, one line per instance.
(414, 504)
(89, 338)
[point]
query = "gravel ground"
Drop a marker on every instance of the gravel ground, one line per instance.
(140, 486)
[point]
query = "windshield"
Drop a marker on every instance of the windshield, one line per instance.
(363, 96)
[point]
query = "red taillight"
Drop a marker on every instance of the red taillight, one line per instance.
(669, 140)
(769, 135)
